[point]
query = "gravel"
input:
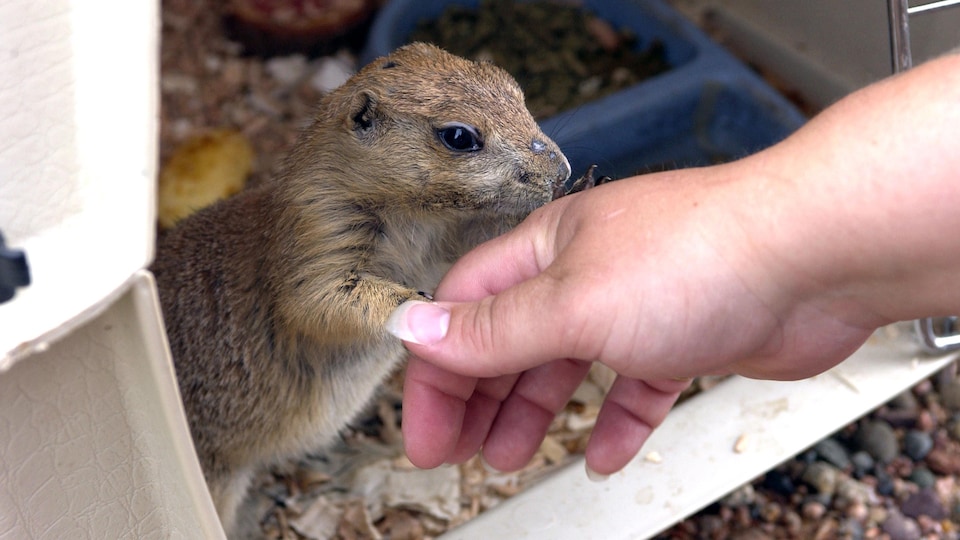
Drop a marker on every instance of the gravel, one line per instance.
(892, 474)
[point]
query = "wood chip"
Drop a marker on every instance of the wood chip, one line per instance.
(553, 450)
(308, 480)
(742, 443)
(435, 492)
(356, 522)
(602, 376)
(399, 525)
(653, 457)
(319, 520)
(584, 420)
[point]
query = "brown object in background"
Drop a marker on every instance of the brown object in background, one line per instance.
(279, 27)
(201, 171)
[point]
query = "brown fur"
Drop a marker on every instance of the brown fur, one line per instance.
(275, 300)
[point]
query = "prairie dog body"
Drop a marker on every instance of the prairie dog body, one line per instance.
(275, 300)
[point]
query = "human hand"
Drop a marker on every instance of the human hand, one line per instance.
(777, 266)
(657, 277)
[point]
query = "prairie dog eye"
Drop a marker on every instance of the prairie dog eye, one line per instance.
(460, 137)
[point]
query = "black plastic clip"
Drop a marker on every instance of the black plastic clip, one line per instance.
(14, 271)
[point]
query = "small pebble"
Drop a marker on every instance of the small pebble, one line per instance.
(905, 401)
(900, 467)
(878, 439)
(953, 427)
(943, 461)
(827, 530)
(851, 528)
(946, 488)
(924, 503)
(877, 515)
(710, 525)
(900, 527)
(751, 534)
(793, 522)
(862, 462)
(813, 510)
(885, 484)
(779, 482)
(821, 476)
(850, 491)
(822, 498)
(922, 477)
(857, 511)
(771, 512)
(950, 395)
(831, 451)
(741, 496)
(902, 488)
(897, 418)
(917, 444)
(923, 388)
(742, 516)
(926, 421)
(808, 457)
(930, 526)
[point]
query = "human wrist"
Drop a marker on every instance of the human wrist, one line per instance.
(780, 234)
(863, 199)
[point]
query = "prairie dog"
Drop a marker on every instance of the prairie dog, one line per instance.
(275, 300)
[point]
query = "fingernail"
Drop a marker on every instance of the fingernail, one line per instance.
(594, 476)
(424, 323)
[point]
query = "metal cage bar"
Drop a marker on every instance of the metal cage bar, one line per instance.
(899, 12)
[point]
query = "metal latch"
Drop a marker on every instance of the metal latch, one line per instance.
(14, 271)
(938, 335)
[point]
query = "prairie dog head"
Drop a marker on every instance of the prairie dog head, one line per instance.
(425, 129)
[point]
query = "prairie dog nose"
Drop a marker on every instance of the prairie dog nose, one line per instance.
(539, 147)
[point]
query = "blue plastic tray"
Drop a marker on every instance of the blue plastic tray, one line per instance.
(707, 108)
(691, 123)
(649, 21)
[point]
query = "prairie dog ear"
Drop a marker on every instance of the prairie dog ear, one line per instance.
(364, 114)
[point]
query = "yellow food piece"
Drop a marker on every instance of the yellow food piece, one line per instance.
(201, 171)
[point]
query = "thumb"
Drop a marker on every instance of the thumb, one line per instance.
(521, 327)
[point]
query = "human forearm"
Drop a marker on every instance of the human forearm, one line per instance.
(860, 207)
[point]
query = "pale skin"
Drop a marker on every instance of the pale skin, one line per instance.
(776, 266)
